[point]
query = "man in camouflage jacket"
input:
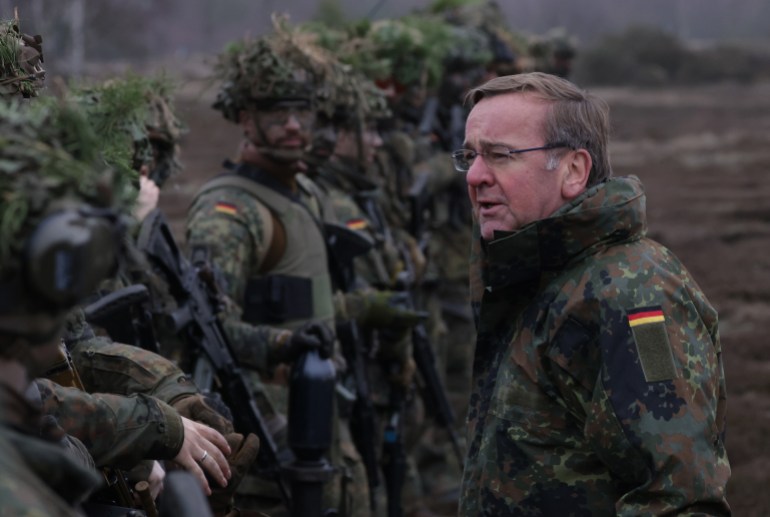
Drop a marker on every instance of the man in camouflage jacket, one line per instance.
(598, 385)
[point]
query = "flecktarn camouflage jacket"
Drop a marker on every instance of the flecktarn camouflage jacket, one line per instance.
(598, 384)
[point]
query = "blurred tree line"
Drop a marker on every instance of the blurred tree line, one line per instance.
(657, 49)
(650, 56)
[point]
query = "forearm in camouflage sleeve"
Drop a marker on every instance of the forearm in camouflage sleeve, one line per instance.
(118, 431)
(254, 346)
(108, 367)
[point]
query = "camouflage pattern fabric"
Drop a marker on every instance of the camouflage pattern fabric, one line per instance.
(339, 181)
(118, 431)
(598, 385)
(236, 230)
(108, 367)
(37, 477)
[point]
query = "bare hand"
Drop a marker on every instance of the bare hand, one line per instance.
(156, 479)
(147, 199)
(204, 451)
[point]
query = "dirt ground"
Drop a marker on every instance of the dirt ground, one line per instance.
(704, 156)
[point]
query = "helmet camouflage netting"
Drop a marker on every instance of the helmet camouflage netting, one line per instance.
(257, 72)
(21, 58)
(50, 155)
(134, 119)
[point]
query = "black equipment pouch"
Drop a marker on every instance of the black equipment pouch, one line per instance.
(276, 299)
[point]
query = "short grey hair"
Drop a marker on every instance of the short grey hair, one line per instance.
(575, 117)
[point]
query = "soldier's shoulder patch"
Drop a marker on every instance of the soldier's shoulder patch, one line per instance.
(648, 327)
(224, 207)
(357, 223)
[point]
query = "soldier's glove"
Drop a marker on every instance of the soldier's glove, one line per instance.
(206, 409)
(382, 309)
(310, 336)
(244, 452)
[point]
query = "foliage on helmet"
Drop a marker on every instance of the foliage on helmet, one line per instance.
(409, 50)
(21, 58)
(331, 80)
(470, 48)
(49, 153)
(133, 117)
(444, 6)
(255, 71)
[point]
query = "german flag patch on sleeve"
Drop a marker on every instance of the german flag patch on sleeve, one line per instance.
(648, 326)
(226, 208)
(357, 224)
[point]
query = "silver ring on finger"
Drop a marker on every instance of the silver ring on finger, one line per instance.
(203, 458)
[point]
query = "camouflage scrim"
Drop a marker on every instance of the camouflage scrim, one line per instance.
(257, 72)
(50, 155)
(136, 124)
(21, 62)
(598, 383)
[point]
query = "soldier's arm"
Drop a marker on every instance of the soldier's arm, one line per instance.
(117, 430)
(239, 238)
(651, 393)
(235, 234)
(108, 367)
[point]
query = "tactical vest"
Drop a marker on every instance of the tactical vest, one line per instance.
(298, 288)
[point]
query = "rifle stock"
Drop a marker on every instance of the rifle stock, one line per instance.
(125, 316)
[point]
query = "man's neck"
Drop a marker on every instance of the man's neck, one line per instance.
(283, 172)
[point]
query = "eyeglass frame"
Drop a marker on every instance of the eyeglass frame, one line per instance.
(302, 112)
(508, 152)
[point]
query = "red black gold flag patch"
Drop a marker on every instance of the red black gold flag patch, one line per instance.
(226, 208)
(357, 224)
(648, 326)
(644, 316)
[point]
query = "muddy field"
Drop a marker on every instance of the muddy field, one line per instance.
(704, 156)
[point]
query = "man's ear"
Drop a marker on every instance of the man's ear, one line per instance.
(578, 163)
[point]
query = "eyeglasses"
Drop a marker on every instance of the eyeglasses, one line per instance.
(494, 156)
(279, 115)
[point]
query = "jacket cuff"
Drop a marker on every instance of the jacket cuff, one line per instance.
(170, 434)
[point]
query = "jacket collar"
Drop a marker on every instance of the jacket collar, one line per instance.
(606, 214)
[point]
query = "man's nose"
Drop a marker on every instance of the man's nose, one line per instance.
(293, 122)
(479, 173)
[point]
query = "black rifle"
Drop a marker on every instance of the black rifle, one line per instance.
(393, 454)
(420, 197)
(343, 246)
(125, 315)
(433, 391)
(196, 320)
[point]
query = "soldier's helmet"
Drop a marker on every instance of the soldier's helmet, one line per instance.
(21, 66)
(133, 117)
(258, 73)
(59, 227)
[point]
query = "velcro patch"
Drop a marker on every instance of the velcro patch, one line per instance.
(648, 325)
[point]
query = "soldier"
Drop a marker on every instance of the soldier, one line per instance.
(258, 225)
(67, 222)
(598, 385)
(140, 132)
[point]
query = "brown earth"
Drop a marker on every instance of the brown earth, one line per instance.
(704, 156)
